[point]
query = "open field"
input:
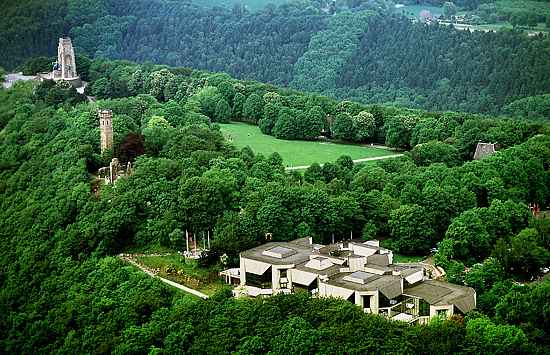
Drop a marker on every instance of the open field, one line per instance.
(296, 153)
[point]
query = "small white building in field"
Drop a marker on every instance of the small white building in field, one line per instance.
(361, 272)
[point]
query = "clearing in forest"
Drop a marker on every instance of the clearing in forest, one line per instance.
(186, 272)
(296, 153)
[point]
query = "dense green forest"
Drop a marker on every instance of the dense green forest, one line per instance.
(62, 291)
(341, 52)
(440, 68)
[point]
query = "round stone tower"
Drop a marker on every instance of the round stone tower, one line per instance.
(106, 128)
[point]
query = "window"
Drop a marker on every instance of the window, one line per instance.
(442, 313)
(423, 308)
(261, 281)
(366, 301)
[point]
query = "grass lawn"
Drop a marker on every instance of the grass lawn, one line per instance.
(186, 272)
(295, 153)
(398, 258)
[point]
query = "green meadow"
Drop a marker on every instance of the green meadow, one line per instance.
(295, 153)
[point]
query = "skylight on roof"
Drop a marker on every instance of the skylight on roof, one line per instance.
(361, 277)
(279, 252)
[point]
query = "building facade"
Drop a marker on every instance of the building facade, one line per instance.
(361, 272)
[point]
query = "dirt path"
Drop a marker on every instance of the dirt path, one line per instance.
(355, 161)
(128, 258)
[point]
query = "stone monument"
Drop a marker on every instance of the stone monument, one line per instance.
(65, 66)
(106, 128)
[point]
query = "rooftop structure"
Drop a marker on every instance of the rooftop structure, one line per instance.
(355, 270)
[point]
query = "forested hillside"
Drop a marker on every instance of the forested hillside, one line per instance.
(351, 54)
(432, 66)
(62, 291)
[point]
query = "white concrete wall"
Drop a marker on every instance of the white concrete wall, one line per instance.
(373, 300)
(242, 271)
(416, 277)
(361, 250)
(357, 264)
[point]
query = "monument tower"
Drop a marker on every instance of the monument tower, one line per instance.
(66, 65)
(106, 128)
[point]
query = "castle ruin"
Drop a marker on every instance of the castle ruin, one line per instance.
(114, 171)
(484, 150)
(106, 128)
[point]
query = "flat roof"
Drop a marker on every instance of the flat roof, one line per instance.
(388, 285)
(364, 276)
(300, 253)
(379, 259)
(443, 293)
(329, 271)
(280, 250)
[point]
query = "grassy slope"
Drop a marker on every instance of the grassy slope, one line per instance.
(202, 279)
(295, 153)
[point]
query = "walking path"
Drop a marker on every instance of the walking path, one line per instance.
(11, 78)
(290, 168)
(152, 273)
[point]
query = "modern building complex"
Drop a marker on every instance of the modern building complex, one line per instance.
(358, 271)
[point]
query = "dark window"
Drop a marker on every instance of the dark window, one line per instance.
(423, 308)
(366, 301)
(261, 281)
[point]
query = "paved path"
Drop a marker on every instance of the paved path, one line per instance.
(355, 161)
(11, 78)
(166, 281)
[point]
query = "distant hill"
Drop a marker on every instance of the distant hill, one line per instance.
(383, 58)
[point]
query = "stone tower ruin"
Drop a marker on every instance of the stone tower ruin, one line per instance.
(65, 68)
(106, 128)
